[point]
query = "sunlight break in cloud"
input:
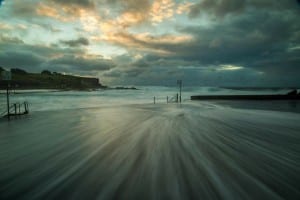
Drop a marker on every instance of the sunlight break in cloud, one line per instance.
(55, 13)
(162, 9)
(184, 8)
(89, 20)
(146, 42)
(229, 68)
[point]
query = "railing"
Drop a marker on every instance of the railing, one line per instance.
(172, 99)
(15, 110)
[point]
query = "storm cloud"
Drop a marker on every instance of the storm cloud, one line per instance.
(36, 58)
(81, 3)
(75, 43)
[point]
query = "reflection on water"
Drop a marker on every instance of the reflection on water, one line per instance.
(196, 151)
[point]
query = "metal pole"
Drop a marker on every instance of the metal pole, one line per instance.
(25, 106)
(7, 100)
(179, 82)
(180, 88)
(180, 91)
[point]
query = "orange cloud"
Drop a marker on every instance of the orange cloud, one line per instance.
(145, 41)
(90, 20)
(162, 9)
(4, 26)
(114, 29)
(53, 12)
(131, 18)
(184, 8)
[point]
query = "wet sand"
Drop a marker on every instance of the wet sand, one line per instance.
(193, 151)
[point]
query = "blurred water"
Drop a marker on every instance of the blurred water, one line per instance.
(115, 144)
(164, 151)
(42, 100)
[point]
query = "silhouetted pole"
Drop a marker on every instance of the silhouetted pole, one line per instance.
(179, 82)
(7, 100)
(153, 100)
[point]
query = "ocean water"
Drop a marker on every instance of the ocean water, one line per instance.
(43, 100)
(117, 144)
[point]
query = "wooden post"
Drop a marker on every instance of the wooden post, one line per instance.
(153, 100)
(167, 99)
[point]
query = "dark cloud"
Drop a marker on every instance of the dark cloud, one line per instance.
(243, 41)
(76, 43)
(11, 59)
(48, 27)
(130, 5)
(80, 3)
(14, 53)
(11, 40)
(221, 8)
(265, 44)
(136, 5)
(35, 58)
(217, 7)
(21, 9)
(62, 10)
(80, 63)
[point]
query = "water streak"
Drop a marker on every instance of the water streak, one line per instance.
(193, 151)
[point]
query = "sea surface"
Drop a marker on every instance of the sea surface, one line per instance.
(43, 100)
(118, 144)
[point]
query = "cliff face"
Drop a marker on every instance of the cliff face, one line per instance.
(51, 81)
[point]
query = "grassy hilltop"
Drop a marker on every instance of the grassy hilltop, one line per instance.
(48, 80)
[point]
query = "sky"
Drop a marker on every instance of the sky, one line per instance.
(237, 43)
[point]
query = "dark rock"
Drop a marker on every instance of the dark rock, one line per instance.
(293, 92)
(125, 88)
